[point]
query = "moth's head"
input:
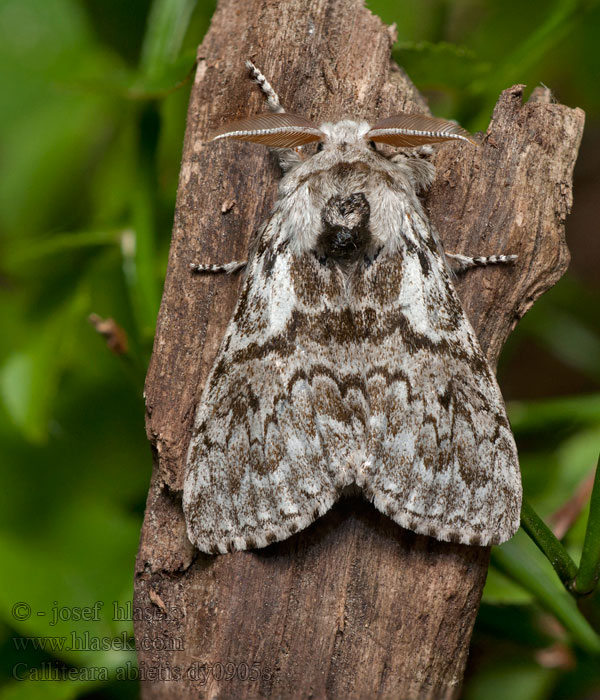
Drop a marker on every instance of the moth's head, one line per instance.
(344, 134)
(285, 130)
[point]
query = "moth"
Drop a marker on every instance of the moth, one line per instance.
(349, 361)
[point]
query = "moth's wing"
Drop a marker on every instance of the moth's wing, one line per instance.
(278, 430)
(442, 458)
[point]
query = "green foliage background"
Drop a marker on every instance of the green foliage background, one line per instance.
(91, 131)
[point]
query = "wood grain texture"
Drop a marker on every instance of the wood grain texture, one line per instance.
(354, 606)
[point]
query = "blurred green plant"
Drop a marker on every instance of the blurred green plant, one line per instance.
(91, 142)
(91, 133)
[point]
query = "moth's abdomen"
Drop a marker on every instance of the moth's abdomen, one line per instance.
(346, 235)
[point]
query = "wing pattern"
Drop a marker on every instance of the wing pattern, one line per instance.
(324, 380)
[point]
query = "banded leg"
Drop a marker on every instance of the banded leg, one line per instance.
(287, 157)
(266, 87)
(228, 268)
(460, 263)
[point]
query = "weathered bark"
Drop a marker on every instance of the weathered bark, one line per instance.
(354, 606)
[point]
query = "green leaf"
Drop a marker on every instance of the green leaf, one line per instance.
(135, 86)
(173, 76)
(589, 567)
(43, 689)
(548, 414)
(517, 680)
(516, 64)
(93, 536)
(560, 20)
(61, 243)
(441, 66)
(29, 378)
(570, 339)
(550, 478)
(445, 48)
(500, 590)
(521, 561)
(167, 24)
(140, 262)
(49, 137)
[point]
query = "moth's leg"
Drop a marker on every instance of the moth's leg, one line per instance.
(265, 86)
(460, 263)
(229, 268)
(287, 157)
(422, 168)
(421, 152)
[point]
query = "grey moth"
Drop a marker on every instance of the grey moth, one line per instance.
(349, 361)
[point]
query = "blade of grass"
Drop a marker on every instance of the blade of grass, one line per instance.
(139, 246)
(139, 255)
(589, 567)
(523, 563)
(535, 415)
(23, 688)
(62, 243)
(572, 340)
(445, 48)
(560, 21)
(544, 538)
(29, 378)
(167, 23)
(135, 87)
(482, 92)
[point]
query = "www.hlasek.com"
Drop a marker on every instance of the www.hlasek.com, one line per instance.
(84, 641)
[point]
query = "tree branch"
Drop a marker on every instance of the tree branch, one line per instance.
(354, 606)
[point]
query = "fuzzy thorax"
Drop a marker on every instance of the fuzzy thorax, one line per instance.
(348, 164)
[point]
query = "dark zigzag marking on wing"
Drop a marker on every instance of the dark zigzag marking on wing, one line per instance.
(325, 328)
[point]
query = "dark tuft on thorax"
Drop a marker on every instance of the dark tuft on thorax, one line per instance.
(345, 237)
